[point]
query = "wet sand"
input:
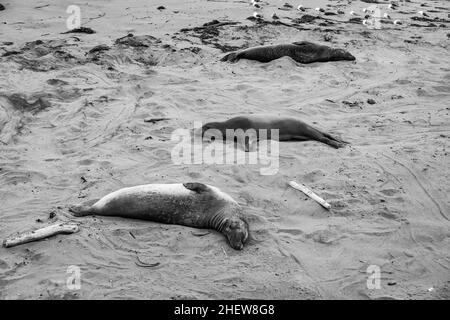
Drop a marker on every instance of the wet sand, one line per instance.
(72, 129)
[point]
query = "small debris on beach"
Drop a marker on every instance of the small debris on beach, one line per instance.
(155, 120)
(310, 194)
(101, 47)
(86, 30)
(257, 15)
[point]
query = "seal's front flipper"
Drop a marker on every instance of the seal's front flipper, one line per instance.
(196, 186)
(250, 145)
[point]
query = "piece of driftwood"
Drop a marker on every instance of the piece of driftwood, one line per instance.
(310, 194)
(39, 234)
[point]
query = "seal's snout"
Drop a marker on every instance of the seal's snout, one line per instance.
(205, 127)
(237, 234)
(347, 55)
(341, 54)
(211, 129)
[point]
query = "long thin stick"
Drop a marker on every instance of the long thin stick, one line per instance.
(39, 234)
(310, 194)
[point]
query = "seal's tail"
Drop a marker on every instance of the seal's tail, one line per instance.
(231, 57)
(332, 141)
(326, 138)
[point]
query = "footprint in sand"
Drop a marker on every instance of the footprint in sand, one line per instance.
(388, 214)
(325, 236)
(294, 232)
(389, 192)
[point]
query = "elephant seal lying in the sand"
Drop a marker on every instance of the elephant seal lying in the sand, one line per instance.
(189, 204)
(289, 129)
(303, 52)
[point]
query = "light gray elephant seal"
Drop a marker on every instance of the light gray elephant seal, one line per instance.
(303, 52)
(189, 204)
(290, 129)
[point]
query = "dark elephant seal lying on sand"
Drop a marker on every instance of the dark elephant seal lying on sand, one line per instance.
(289, 129)
(303, 52)
(189, 204)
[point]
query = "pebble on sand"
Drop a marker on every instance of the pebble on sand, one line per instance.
(423, 14)
(257, 15)
(392, 6)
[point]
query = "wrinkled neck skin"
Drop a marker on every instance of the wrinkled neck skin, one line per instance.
(229, 221)
(221, 218)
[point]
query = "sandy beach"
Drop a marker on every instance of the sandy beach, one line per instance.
(72, 128)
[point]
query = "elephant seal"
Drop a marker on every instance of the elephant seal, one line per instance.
(290, 129)
(189, 204)
(303, 52)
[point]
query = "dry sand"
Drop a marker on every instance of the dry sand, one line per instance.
(83, 135)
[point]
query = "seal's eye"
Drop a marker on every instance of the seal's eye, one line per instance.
(234, 225)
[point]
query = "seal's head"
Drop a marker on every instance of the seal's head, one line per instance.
(341, 54)
(211, 125)
(237, 232)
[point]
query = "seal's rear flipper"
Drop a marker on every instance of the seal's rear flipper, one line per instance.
(333, 141)
(83, 209)
(196, 186)
(79, 210)
(231, 57)
(315, 134)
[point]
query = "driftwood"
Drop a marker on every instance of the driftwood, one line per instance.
(310, 194)
(39, 234)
